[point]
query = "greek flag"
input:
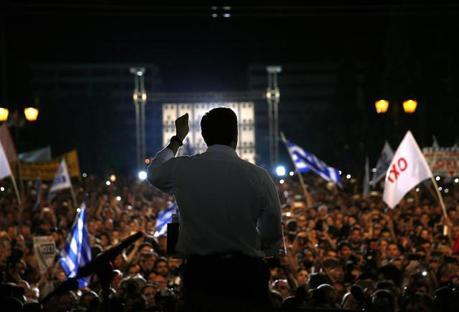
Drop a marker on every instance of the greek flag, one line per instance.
(165, 217)
(305, 161)
(77, 251)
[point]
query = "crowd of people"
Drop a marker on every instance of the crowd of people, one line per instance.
(342, 250)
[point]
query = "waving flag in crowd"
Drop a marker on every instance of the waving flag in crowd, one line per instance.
(77, 251)
(62, 179)
(305, 161)
(5, 170)
(165, 217)
(7, 143)
(407, 169)
(383, 163)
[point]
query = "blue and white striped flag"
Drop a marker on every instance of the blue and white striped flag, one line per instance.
(77, 251)
(165, 217)
(305, 161)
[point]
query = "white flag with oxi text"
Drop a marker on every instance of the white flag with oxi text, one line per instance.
(61, 179)
(407, 169)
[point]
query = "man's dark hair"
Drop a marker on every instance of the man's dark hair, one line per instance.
(219, 126)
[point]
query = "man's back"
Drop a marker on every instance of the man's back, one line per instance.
(226, 205)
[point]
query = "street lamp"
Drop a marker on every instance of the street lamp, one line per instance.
(381, 106)
(31, 114)
(4, 114)
(409, 106)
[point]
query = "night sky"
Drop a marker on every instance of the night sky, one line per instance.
(409, 48)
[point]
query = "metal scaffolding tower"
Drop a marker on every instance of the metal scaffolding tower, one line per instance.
(273, 97)
(139, 97)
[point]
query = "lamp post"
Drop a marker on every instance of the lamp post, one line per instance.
(409, 108)
(139, 97)
(17, 122)
(273, 97)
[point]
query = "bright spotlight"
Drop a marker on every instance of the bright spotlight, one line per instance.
(280, 171)
(437, 178)
(118, 198)
(112, 178)
(107, 183)
(281, 181)
(456, 180)
(291, 173)
(84, 175)
(348, 176)
(2, 189)
(142, 175)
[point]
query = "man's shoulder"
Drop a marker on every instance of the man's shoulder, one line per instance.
(260, 171)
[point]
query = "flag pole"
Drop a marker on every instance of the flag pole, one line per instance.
(440, 198)
(18, 196)
(73, 195)
(16, 191)
(300, 177)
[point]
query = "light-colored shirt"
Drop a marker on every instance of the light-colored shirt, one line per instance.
(226, 204)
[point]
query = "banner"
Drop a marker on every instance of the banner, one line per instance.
(47, 170)
(45, 250)
(442, 161)
(41, 154)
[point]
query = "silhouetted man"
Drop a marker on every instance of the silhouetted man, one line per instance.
(229, 217)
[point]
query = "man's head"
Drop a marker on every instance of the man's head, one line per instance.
(219, 126)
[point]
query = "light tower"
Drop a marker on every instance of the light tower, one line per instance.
(273, 97)
(139, 97)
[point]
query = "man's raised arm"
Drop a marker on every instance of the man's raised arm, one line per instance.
(161, 171)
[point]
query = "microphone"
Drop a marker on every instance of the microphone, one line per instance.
(102, 259)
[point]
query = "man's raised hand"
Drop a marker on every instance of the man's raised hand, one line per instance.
(181, 126)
